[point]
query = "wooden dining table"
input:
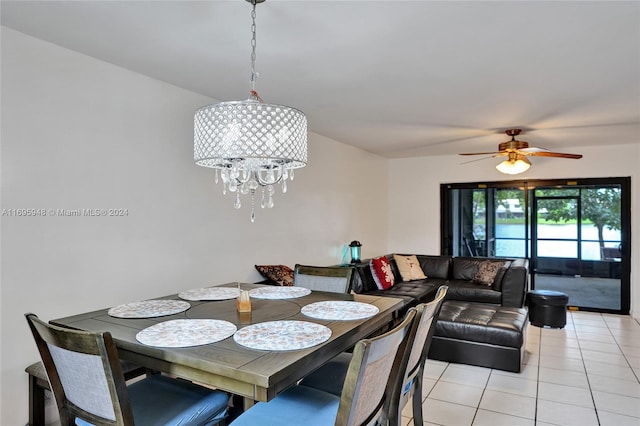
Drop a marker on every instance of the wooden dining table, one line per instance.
(256, 375)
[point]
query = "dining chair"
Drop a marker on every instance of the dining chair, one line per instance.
(364, 392)
(335, 279)
(89, 387)
(407, 372)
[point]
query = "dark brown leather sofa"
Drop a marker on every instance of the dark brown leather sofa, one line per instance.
(478, 325)
(508, 289)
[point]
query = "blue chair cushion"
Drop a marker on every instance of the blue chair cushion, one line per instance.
(298, 405)
(160, 400)
(330, 377)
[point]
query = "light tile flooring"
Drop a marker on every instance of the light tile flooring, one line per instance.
(585, 374)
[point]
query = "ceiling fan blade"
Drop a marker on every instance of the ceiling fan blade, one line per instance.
(534, 149)
(485, 158)
(553, 154)
(517, 149)
(482, 153)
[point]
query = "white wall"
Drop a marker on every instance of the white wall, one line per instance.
(79, 133)
(414, 221)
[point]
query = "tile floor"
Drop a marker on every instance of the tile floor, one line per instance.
(585, 374)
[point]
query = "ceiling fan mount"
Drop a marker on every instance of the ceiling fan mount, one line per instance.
(513, 144)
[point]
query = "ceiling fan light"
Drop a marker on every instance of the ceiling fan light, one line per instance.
(514, 167)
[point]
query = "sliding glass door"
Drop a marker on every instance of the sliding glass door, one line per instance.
(577, 244)
(575, 233)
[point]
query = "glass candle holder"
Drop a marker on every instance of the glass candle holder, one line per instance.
(243, 302)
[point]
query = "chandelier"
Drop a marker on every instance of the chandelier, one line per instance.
(253, 145)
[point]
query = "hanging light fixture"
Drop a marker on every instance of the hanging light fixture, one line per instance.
(516, 164)
(251, 144)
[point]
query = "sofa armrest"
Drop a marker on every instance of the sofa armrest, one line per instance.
(515, 283)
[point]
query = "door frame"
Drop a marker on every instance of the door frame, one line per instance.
(447, 219)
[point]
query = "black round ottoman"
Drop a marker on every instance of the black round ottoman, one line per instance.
(547, 308)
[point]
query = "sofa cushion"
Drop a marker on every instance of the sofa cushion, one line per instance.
(465, 268)
(382, 273)
(497, 282)
(362, 278)
(414, 292)
(435, 266)
(496, 325)
(409, 267)
(281, 274)
(487, 272)
(466, 290)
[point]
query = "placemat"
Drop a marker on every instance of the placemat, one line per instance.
(149, 309)
(282, 335)
(183, 333)
(339, 310)
(279, 292)
(210, 293)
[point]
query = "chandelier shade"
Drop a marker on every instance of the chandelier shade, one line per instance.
(250, 132)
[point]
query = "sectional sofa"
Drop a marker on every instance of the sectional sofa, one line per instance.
(509, 287)
(482, 321)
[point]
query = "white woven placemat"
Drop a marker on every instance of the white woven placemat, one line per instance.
(210, 293)
(149, 309)
(339, 310)
(282, 335)
(183, 333)
(279, 292)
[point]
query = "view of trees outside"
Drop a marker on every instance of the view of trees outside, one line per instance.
(600, 208)
(557, 219)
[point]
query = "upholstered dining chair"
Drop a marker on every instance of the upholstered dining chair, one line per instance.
(408, 371)
(364, 393)
(90, 389)
(334, 279)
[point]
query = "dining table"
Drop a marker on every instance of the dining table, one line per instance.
(256, 374)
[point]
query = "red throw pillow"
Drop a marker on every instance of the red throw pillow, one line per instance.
(382, 272)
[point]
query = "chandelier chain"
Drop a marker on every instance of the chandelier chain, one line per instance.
(254, 75)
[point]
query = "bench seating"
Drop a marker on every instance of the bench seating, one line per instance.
(480, 334)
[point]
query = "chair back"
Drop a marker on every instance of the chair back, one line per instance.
(411, 367)
(323, 278)
(85, 374)
(366, 386)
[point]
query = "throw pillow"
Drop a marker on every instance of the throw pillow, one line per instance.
(281, 274)
(382, 273)
(487, 272)
(409, 267)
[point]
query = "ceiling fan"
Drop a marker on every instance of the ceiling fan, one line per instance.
(517, 153)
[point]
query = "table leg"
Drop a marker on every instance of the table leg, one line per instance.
(247, 403)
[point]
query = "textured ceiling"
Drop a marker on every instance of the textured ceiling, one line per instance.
(397, 78)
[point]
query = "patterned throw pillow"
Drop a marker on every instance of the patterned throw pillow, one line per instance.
(382, 273)
(487, 272)
(281, 274)
(409, 267)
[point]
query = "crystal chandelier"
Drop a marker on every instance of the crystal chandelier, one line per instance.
(251, 144)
